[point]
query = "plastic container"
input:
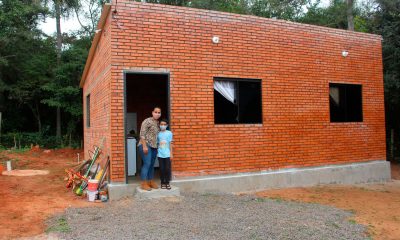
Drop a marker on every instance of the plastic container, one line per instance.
(9, 168)
(93, 184)
(91, 195)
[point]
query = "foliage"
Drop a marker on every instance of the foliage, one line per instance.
(281, 9)
(33, 81)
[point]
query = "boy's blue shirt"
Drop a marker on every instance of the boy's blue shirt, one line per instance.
(164, 139)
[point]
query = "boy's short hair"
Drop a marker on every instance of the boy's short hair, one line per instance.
(164, 120)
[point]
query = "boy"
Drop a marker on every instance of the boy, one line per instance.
(164, 139)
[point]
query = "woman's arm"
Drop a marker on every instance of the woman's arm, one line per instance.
(142, 140)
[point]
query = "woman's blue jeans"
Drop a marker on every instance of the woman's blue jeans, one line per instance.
(147, 172)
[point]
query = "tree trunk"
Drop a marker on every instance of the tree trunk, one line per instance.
(59, 46)
(350, 18)
(36, 114)
(58, 133)
(38, 117)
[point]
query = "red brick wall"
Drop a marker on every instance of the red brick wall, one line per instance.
(296, 63)
(97, 84)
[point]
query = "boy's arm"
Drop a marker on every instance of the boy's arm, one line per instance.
(170, 146)
(170, 150)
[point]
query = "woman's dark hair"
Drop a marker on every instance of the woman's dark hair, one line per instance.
(164, 120)
(156, 107)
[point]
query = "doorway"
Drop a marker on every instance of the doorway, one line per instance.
(143, 91)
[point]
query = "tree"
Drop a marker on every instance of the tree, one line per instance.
(387, 23)
(88, 13)
(281, 9)
(350, 21)
(26, 58)
(61, 8)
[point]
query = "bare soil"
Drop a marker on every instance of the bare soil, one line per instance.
(27, 201)
(375, 205)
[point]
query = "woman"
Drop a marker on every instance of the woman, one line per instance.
(148, 148)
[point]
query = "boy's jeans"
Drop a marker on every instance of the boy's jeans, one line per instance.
(147, 172)
(165, 170)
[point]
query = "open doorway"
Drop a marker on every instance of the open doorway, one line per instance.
(143, 91)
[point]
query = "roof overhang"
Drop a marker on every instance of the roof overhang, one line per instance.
(97, 36)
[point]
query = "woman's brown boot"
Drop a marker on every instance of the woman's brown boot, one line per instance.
(152, 184)
(145, 186)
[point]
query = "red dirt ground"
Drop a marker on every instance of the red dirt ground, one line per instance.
(26, 202)
(375, 205)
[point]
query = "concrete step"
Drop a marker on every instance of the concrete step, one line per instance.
(157, 193)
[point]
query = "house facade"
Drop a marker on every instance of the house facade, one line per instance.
(244, 95)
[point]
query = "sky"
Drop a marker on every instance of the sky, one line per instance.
(72, 24)
(67, 25)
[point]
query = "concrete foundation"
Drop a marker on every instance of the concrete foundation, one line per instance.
(157, 193)
(364, 172)
(118, 191)
(374, 171)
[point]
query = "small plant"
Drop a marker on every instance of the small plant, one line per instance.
(19, 150)
(260, 199)
(277, 199)
(352, 221)
(335, 225)
(61, 225)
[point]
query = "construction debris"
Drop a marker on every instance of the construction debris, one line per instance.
(89, 177)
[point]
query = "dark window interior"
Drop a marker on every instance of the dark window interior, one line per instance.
(345, 101)
(247, 106)
(88, 110)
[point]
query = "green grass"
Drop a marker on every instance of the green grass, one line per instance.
(208, 194)
(352, 221)
(61, 225)
(20, 150)
(277, 199)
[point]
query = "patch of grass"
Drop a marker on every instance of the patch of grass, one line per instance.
(352, 221)
(61, 225)
(277, 199)
(254, 236)
(19, 150)
(335, 225)
(208, 194)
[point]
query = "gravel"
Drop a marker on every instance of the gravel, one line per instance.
(210, 216)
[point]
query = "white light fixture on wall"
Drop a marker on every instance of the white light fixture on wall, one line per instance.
(345, 53)
(215, 39)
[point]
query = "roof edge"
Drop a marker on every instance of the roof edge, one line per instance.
(95, 42)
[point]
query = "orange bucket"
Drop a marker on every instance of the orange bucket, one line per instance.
(93, 184)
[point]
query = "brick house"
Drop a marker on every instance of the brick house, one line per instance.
(252, 102)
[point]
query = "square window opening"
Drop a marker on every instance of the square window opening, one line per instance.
(345, 102)
(237, 101)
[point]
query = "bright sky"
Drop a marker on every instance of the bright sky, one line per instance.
(72, 24)
(67, 25)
